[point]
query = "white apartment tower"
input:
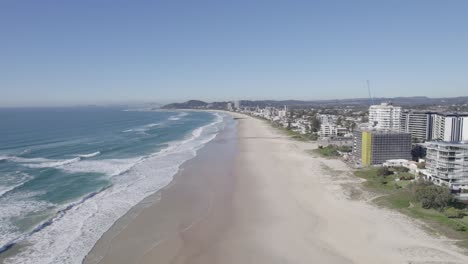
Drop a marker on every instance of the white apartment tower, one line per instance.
(418, 124)
(282, 114)
(385, 116)
(449, 127)
(237, 105)
(447, 163)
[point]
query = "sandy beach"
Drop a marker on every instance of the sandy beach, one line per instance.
(252, 195)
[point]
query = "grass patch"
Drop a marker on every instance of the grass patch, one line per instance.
(400, 195)
(332, 150)
(375, 183)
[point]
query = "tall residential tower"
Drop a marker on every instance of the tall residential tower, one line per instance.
(385, 116)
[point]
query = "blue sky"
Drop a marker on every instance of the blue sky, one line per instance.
(104, 51)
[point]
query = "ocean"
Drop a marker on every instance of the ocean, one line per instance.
(67, 174)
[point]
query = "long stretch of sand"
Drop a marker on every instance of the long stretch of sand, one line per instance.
(259, 197)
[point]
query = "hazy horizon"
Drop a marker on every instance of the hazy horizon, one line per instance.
(164, 102)
(111, 52)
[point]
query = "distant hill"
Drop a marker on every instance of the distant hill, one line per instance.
(192, 104)
(403, 101)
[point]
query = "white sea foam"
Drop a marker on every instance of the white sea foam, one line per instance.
(11, 181)
(15, 206)
(81, 163)
(5, 189)
(90, 155)
(27, 160)
(142, 128)
(178, 116)
(72, 236)
(111, 167)
(52, 163)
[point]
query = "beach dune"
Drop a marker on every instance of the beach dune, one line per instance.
(252, 195)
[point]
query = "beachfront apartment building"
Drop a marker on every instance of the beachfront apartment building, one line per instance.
(330, 130)
(327, 130)
(450, 127)
(385, 116)
(374, 147)
(433, 126)
(418, 124)
(282, 114)
(229, 107)
(447, 163)
(237, 105)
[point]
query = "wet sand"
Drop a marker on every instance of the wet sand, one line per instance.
(254, 196)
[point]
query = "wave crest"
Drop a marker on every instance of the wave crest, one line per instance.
(90, 155)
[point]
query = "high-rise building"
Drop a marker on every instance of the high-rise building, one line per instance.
(237, 105)
(385, 116)
(426, 126)
(282, 114)
(374, 147)
(447, 163)
(449, 127)
(418, 124)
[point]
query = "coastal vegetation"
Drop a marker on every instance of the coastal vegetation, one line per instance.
(419, 199)
(310, 136)
(333, 150)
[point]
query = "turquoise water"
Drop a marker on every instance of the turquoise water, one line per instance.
(67, 174)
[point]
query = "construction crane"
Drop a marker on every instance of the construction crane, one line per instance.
(371, 100)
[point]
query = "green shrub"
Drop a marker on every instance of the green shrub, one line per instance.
(384, 171)
(432, 196)
(452, 212)
(459, 227)
(406, 176)
(328, 151)
(400, 169)
(345, 148)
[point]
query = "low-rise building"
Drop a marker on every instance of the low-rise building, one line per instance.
(327, 130)
(327, 119)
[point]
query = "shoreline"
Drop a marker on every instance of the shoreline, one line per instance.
(274, 203)
(183, 200)
(84, 221)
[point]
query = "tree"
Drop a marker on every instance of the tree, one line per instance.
(315, 124)
(433, 196)
(418, 152)
(339, 121)
(290, 118)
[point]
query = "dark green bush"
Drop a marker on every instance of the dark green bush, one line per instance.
(384, 171)
(400, 169)
(459, 227)
(452, 212)
(432, 196)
